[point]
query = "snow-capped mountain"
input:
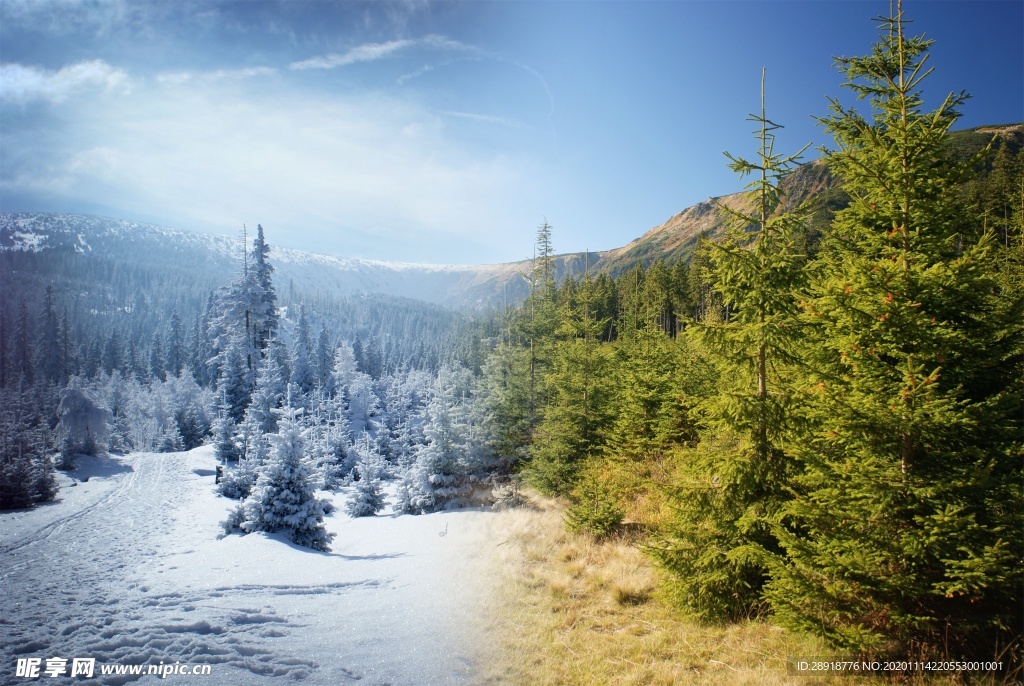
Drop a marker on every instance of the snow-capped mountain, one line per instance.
(148, 245)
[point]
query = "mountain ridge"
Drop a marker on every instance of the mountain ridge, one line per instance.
(456, 286)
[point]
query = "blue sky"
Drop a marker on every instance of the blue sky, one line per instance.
(438, 131)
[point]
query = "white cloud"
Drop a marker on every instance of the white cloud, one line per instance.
(339, 174)
(23, 84)
(370, 52)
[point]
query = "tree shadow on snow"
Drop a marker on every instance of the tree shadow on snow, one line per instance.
(102, 466)
(283, 538)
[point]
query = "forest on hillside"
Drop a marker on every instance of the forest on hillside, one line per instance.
(817, 418)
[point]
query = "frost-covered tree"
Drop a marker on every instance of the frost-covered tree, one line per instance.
(323, 360)
(170, 440)
(363, 404)
(175, 357)
(26, 472)
(303, 378)
(283, 497)
(22, 349)
(224, 433)
(367, 497)
(48, 348)
(157, 365)
(270, 389)
(264, 314)
(190, 406)
(234, 384)
(437, 478)
(83, 424)
(345, 366)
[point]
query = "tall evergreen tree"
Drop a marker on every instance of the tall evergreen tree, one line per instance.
(265, 319)
(157, 365)
(175, 357)
(113, 356)
(733, 485)
(303, 377)
(271, 387)
(233, 383)
(4, 359)
(48, 346)
(903, 533)
(573, 423)
(323, 359)
(23, 355)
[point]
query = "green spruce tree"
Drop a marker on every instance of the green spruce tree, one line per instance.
(719, 542)
(573, 422)
(904, 532)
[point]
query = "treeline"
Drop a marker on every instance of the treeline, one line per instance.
(820, 418)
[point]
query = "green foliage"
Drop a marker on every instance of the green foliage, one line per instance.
(504, 393)
(899, 534)
(821, 415)
(593, 509)
(727, 491)
(573, 422)
(658, 382)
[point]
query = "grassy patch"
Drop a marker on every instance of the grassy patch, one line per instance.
(572, 610)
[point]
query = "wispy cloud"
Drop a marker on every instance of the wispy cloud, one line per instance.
(416, 73)
(486, 119)
(371, 52)
(22, 84)
(177, 78)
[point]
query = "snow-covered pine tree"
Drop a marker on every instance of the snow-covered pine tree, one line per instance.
(189, 406)
(157, 365)
(264, 314)
(83, 424)
(234, 383)
(225, 446)
(175, 356)
(26, 472)
(270, 389)
(48, 343)
(363, 404)
(283, 497)
(323, 361)
(436, 480)
(170, 440)
(367, 497)
(344, 367)
(302, 379)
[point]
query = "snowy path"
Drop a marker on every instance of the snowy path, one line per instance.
(128, 568)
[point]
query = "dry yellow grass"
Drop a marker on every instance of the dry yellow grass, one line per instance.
(572, 610)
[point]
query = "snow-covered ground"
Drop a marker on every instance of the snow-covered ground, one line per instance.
(129, 567)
